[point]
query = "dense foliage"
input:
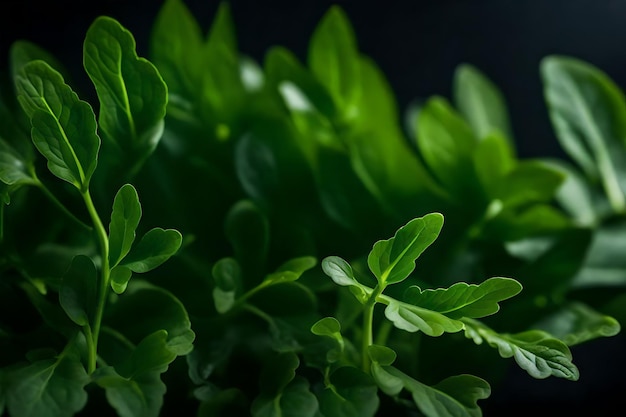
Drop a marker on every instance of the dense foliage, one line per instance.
(282, 208)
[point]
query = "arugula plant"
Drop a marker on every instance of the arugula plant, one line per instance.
(280, 174)
(86, 336)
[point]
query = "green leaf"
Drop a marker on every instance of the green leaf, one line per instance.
(227, 276)
(152, 354)
(176, 48)
(480, 102)
(604, 263)
(535, 351)
(296, 400)
(413, 318)
(330, 327)
(446, 143)
(247, 230)
(382, 357)
(588, 113)
(47, 388)
(138, 396)
(63, 127)
(222, 90)
(283, 68)
(132, 94)
(577, 323)
(349, 393)
(493, 161)
(22, 52)
(393, 260)
(78, 294)
(291, 270)
(465, 300)
(334, 59)
(124, 221)
(575, 195)
(456, 396)
(152, 309)
(339, 271)
(120, 276)
(531, 181)
(154, 248)
(15, 169)
(279, 370)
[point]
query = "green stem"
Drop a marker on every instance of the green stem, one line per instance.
(103, 241)
(368, 325)
(91, 350)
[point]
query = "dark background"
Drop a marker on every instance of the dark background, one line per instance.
(417, 44)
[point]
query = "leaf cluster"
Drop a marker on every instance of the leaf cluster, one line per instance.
(257, 275)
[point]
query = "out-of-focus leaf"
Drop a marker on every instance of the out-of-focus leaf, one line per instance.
(78, 294)
(351, 393)
(227, 276)
(334, 59)
(480, 102)
(588, 112)
(576, 323)
(446, 143)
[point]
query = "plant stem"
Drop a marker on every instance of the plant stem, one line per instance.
(104, 280)
(91, 350)
(368, 324)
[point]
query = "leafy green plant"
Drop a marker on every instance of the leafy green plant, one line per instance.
(286, 295)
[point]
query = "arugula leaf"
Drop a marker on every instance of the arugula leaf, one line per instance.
(576, 323)
(22, 52)
(413, 318)
(132, 94)
(227, 275)
(154, 248)
(78, 293)
(588, 113)
(153, 309)
(480, 102)
(465, 300)
(446, 142)
(124, 221)
(349, 393)
(282, 392)
(290, 270)
(493, 161)
(176, 48)
(120, 276)
(453, 397)
(333, 58)
(140, 395)
(48, 387)
(295, 400)
(64, 127)
(15, 169)
(393, 260)
(535, 351)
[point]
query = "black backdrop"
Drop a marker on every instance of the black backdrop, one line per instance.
(418, 44)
